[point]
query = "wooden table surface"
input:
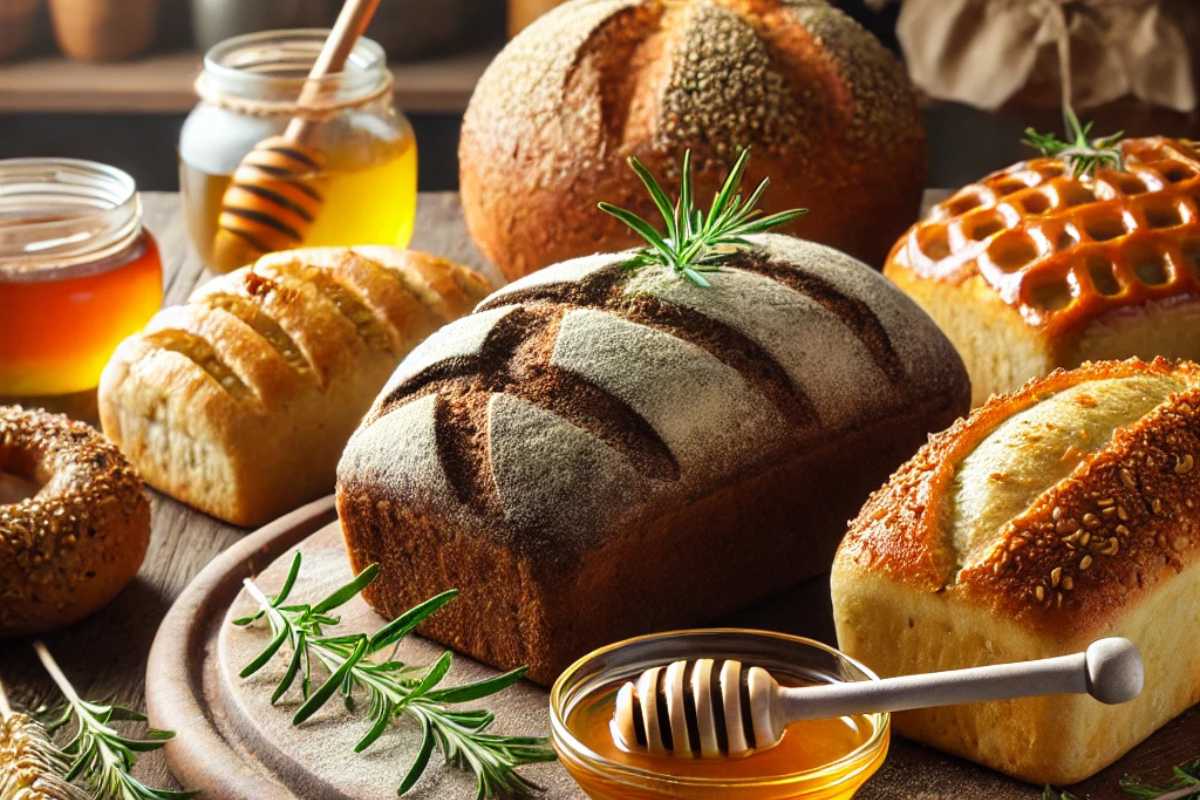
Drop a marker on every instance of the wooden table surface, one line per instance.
(105, 656)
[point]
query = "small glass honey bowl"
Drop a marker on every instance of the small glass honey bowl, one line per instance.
(816, 760)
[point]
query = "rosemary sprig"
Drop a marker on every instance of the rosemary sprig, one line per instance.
(31, 765)
(1186, 784)
(695, 242)
(1083, 154)
(393, 688)
(100, 757)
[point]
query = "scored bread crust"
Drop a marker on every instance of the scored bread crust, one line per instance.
(1091, 556)
(826, 109)
(239, 402)
(1047, 262)
(597, 452)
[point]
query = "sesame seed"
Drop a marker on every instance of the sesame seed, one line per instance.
(1184, 465)
(1127, 479)
(1156, 506)
(1122, 514)
(1068, 583)
(1040, 592)
(1112, 547)
(1085, 538)
(1055, 576)
(1122, 530)
(1057, 513)
(1085, 562)
(1091, 520)
(1105, 502)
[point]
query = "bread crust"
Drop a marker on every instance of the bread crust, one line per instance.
(593, 450)
(240, 402)
(827, 110)
(1046, 258)
(1090, 552)
(69, 549)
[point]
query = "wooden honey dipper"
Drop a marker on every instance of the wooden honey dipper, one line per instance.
(734, 712)
(271, 200)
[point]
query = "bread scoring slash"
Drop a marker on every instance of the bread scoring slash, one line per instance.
(597, 452)
(1051, 517)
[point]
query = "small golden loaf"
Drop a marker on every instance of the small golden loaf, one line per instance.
(240, 401)
(1062, 513)
(826, 109)
(1031, 269)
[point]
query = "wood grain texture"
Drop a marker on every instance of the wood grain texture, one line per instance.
(106, 655)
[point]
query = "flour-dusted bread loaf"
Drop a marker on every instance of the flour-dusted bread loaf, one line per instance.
(240, 401)
(1062, 513)
(1031, 268)
(596, 452)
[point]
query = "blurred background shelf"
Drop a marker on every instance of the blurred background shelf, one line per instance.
(161, 83)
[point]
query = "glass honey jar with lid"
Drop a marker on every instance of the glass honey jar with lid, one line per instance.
(366, 179)
(79, 272)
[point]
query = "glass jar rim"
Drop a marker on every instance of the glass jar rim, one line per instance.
(561, 732)
(274, 64)
(61, 212)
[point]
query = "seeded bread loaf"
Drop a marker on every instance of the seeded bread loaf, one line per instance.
(595, 452)
(827, 110)
(1053, 516)
(240, 401)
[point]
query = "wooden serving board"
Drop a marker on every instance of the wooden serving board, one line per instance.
(234, 745)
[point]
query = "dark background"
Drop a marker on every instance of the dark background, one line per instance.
(964, 143)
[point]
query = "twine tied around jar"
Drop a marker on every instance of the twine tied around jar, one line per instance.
(317, 110)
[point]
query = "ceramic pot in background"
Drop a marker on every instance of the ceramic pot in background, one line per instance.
(214, 21)
(18, 22)
(104, 30)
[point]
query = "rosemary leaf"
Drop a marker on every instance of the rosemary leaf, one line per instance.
(696, 241)
(394, 689)
(1082, 154)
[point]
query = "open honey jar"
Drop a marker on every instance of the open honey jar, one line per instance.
(249, 91)
(78, 273)
(816, 759)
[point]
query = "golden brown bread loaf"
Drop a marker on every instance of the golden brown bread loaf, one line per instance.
(240, 401)
(74, 521)
(827, 110)
(596, 452)
(1032, 269)
(1062, 513)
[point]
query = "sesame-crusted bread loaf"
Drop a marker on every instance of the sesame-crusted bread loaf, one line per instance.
(74, 521)
(827, 110)
(1059, 514)
(240, 401)
(1033, 268)
(596, 452)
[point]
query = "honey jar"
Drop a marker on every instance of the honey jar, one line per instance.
(815, 760)
(249, 90)
(78, 273)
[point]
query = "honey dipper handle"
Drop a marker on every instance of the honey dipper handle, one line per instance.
(354, 18)
(1110, 670)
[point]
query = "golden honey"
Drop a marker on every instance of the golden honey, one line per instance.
(372, 203)
(78, 273)
(249, 93)
(806, 745)
(815, 760)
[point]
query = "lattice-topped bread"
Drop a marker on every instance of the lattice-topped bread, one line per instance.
(1053, 516)
(596, 452)
(1032, 269)
(240, 401)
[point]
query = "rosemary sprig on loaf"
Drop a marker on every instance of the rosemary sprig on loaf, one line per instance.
(1083, 154)
(696, 242)
(393, 688)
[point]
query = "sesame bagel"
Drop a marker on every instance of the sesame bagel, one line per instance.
(1059, 514)
(74, 521)
(827, 110)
